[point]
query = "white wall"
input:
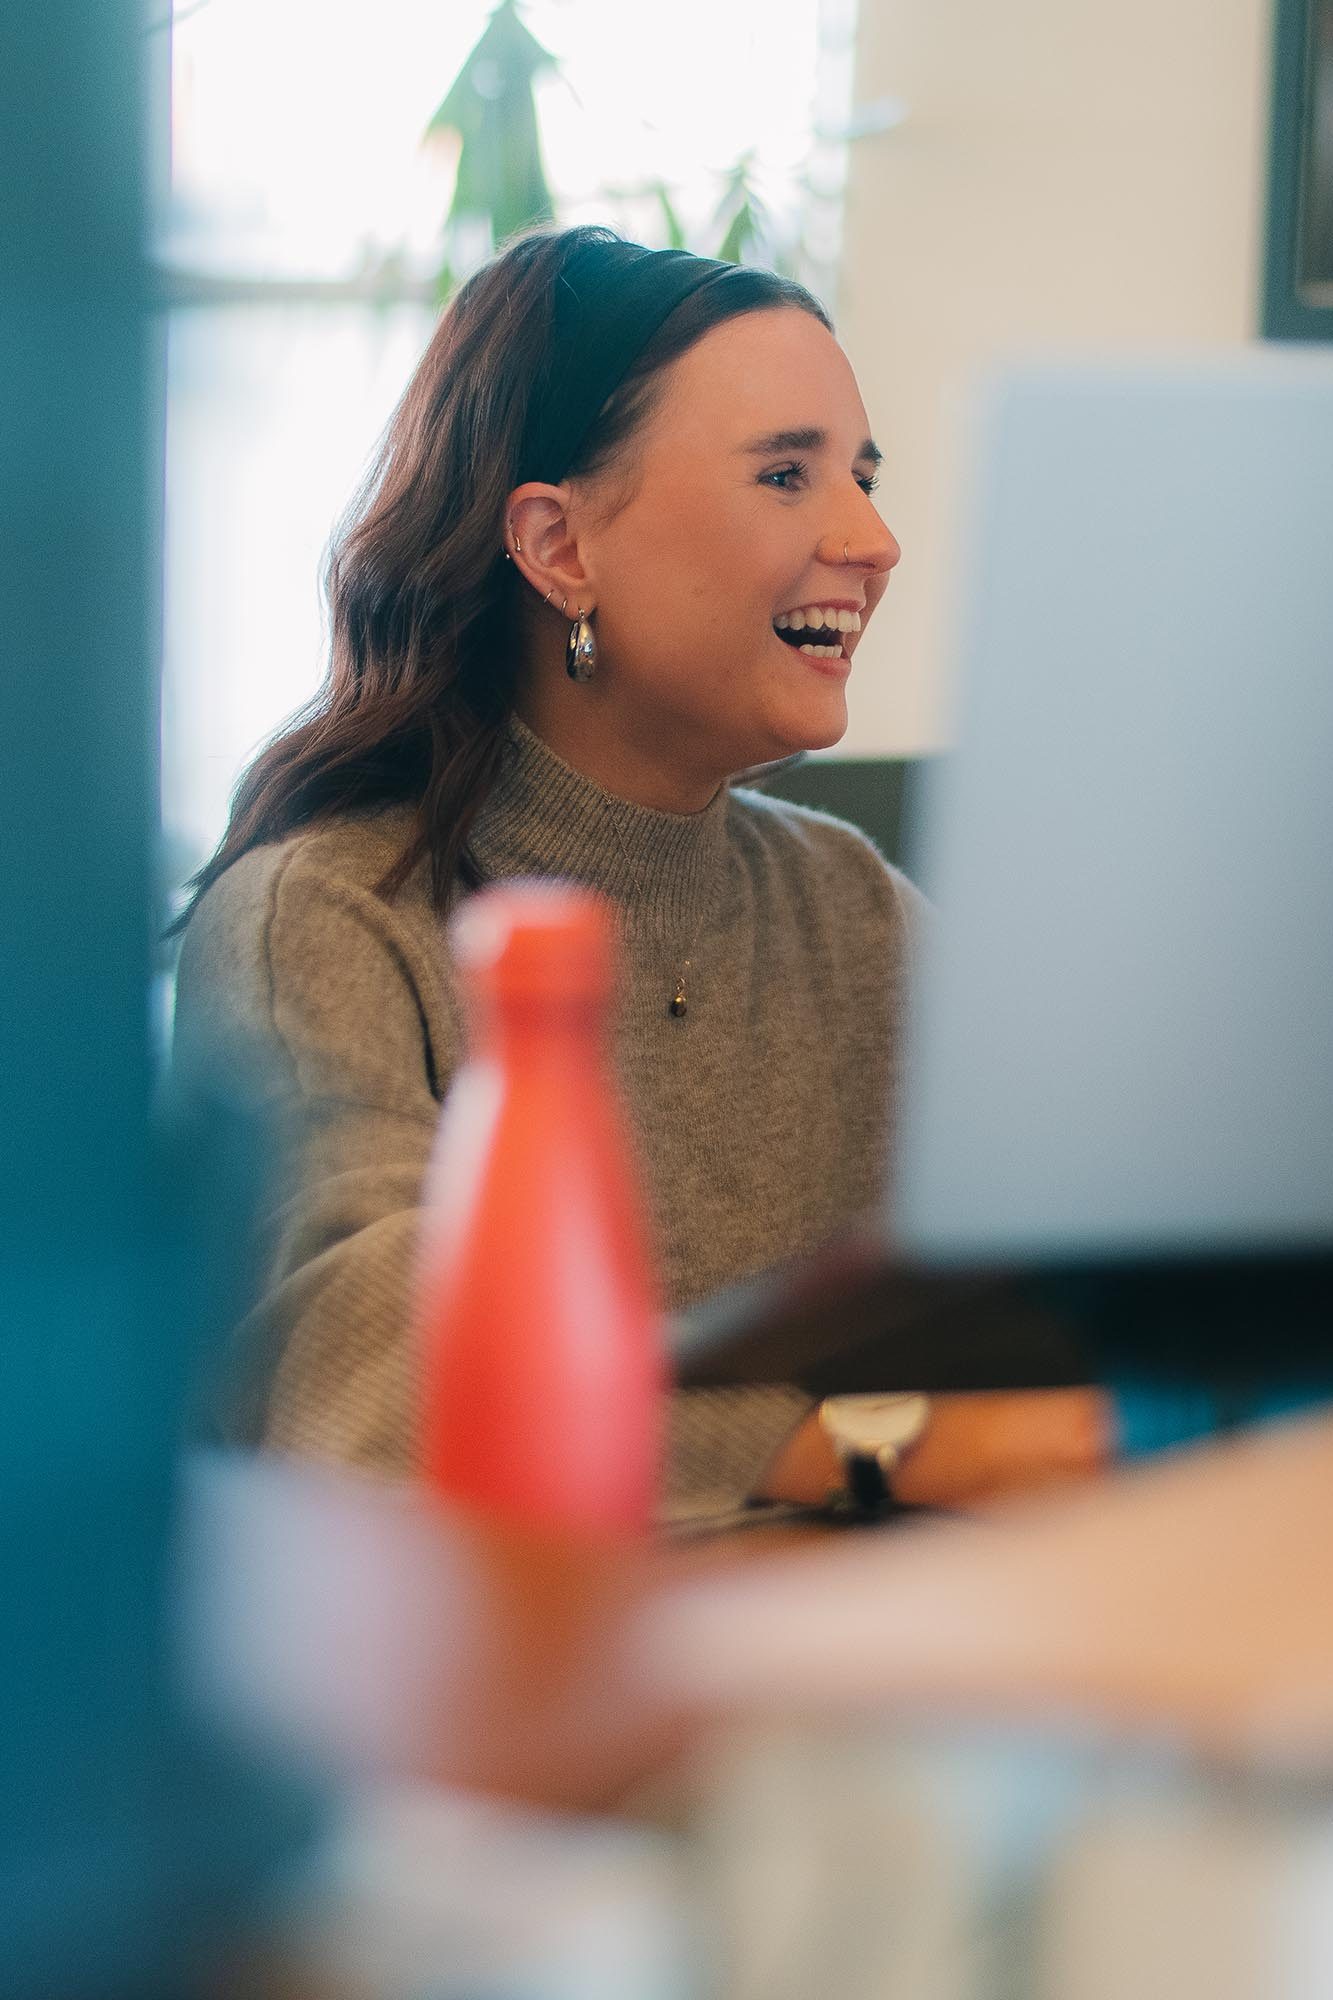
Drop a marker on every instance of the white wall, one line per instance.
(1070, 173)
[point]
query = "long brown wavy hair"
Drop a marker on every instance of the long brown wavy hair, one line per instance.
(423, 610)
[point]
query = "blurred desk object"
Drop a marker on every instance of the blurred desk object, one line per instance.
(856, 1316)
(1078, 1749)
(351, 1621)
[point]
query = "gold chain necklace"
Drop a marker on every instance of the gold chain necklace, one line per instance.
(679, 1003)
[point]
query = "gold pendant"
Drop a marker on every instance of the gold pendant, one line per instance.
(678, 1001)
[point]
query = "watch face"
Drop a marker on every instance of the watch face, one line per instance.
(873, 1424)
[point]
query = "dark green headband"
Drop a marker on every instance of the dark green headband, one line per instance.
(610, 299)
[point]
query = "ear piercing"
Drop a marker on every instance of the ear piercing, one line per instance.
(580, 648)
(581, 645)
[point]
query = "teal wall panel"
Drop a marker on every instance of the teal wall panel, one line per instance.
(123, 1837)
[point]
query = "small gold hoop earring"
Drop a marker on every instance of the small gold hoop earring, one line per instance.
(549, 595)
(845, 556)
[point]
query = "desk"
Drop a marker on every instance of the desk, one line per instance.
(383, 1634)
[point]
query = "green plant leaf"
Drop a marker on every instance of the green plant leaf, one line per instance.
(740, 234)
(501, 179)
(674, 230)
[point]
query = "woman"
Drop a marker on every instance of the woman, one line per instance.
(619, 543)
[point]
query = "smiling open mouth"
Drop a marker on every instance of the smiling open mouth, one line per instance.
(818, 631)
(816, 649)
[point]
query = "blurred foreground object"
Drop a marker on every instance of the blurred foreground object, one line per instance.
(131, 1840)
(423, 1893)
(976, 1862)
(1192, 1599)
(1085, 1743)
(1121, 1045)
(1246, 1334)
(540, 1334)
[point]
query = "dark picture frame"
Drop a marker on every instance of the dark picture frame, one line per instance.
(1298, 263)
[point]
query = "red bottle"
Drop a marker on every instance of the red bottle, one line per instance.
(541, 1337)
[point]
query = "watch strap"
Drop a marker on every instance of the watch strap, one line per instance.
(866, 1482)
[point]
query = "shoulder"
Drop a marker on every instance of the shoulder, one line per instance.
(354, 850)
(277, 892)
(295, 943)
(833, 859)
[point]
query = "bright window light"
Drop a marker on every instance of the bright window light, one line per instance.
(297, 131)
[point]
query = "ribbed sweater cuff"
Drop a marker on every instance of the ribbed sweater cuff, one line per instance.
(721, 1440)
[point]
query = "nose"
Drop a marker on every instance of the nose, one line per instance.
(862, 542)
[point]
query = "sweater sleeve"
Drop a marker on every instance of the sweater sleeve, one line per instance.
(721, 1441)
(308, 988)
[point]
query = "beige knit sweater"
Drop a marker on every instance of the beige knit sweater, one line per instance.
(760, 1116)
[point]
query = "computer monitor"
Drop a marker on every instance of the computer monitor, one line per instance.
(1122, 1036)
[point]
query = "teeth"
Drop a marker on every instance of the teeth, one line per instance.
(822, 652)
(814, 618)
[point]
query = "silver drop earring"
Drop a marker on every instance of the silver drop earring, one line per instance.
(581, 649)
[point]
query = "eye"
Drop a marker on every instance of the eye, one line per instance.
(785, 473)
(784, 477)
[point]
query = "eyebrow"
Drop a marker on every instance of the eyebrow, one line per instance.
(809, 439)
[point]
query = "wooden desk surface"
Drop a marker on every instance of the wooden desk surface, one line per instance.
(380, 1633)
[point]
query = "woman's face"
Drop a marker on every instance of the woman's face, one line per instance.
(750, 503)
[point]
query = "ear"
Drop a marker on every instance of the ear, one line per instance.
(543, 542)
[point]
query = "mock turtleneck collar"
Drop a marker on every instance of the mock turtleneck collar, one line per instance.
(542, 817)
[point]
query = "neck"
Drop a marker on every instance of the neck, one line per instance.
(583, 726)
(544, 817)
